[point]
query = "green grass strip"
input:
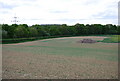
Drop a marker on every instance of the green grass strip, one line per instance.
(112, 39)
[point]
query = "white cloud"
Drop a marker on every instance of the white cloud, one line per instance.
(60, 11)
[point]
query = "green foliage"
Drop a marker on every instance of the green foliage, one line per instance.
(4, 34)
(33, 32)
(21, 31)
(25, 31)
(118, 30)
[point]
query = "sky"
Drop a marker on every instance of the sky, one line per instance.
(67, 12)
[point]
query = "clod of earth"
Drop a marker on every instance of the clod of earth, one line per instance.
(87, 41)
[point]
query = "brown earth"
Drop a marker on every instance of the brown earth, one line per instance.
(24, 65)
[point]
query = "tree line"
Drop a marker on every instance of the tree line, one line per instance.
(25, 31)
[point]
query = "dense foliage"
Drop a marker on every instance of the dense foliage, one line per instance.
(25, 31)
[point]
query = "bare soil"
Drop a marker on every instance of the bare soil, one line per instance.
(20, 62)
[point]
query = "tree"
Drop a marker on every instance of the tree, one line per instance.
(86, 31)
(113, 29)
(4, 34)
(43, 30)
(72, 30)
(11, 30)
(64, 29)
(21, 32)
(118, 30)
(54, 31)
(80, 29)
(97, 28)
(33, 32)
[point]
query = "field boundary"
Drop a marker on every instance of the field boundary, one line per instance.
(21, 40)
(58, 38)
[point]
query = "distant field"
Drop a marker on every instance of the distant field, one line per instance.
(112, 39)
(61, 58)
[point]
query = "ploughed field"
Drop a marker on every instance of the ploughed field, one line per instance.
(60, 58)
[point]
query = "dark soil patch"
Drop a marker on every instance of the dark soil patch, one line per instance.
(87, 41)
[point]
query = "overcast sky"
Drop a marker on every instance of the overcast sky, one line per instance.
(59, 11)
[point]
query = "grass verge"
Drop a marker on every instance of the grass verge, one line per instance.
(112, 39)
(20, 40)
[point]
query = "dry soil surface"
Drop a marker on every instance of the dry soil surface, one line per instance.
(42, 65)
